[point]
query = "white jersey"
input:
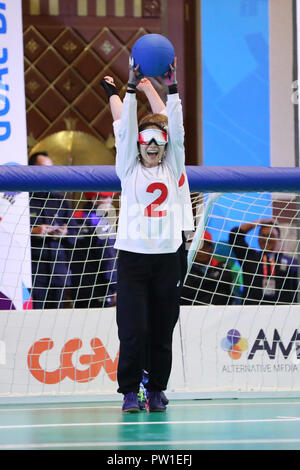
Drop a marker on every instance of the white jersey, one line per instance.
(185, 198)
(150, 217)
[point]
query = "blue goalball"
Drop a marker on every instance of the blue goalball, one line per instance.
(153, 53)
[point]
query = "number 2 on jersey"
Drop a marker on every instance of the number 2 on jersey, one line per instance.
(151, 210)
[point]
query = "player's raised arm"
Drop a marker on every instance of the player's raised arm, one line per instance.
(176, 153)
(125, 122)
(115, 104)
(155, 101)
(113, 96)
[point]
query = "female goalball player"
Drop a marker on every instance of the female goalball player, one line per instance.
(159, 115)
(149, 163)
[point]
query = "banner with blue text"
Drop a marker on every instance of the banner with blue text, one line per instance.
(14, 291)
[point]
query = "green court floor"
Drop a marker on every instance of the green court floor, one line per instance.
(187, 425)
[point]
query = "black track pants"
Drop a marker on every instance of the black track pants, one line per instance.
(148, 291)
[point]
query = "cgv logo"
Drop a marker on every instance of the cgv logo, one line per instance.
(95, 361)
(235, 345)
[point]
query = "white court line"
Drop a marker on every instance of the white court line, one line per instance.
(289, 417)
(146, 443)
(173, 405)
(147, 423)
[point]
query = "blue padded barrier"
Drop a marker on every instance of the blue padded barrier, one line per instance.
(103, 177)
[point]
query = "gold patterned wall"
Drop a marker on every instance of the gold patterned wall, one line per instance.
(69, 45)
(98, 8)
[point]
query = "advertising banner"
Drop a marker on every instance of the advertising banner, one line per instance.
(15, 271)
(241, 348)
(216, 350)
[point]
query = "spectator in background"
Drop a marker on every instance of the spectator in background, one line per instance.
(269, 275)
(53, 232)
(209, 281)
(223, 253)
(94, 257)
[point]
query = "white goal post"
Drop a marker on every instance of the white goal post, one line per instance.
(239, 328)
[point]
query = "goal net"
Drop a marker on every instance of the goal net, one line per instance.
(238, 331)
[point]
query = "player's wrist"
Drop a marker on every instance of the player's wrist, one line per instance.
(173, 89)
(131, 87)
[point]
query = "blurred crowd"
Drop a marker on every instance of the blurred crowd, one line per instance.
(72, 251)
